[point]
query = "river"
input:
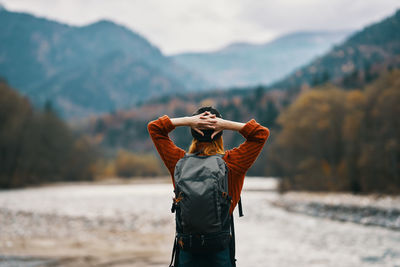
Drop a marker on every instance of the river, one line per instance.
(131, 225)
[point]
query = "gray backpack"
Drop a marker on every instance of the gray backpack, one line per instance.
(201, 205)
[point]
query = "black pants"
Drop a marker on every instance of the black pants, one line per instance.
(218, 259)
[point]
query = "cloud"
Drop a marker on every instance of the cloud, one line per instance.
(200, 25)
(291, 15)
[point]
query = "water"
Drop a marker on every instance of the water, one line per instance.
(266, 235)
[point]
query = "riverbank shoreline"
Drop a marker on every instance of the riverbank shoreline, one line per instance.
(37, 239)
(370, 210)
(84, 224)
(130, 224)
(101, 181)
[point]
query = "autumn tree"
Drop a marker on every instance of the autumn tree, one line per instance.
(311, 141)
(37, 146)
(332, 139)
(380, 150)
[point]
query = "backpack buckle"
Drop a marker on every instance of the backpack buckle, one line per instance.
(173, 208)
(175, 202)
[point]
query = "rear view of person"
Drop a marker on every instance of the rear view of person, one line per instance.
(207, 183)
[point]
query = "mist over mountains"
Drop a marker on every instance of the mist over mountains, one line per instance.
(357, 61)
(104, 66)
(245, 64)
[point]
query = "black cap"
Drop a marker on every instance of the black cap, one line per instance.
(207, 133)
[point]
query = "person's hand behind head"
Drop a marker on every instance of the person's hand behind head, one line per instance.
(218, 124)
(204, 121)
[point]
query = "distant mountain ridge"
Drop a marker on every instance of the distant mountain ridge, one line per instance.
(85, 70)
(244, 64)
(358, 60)
(127, 128)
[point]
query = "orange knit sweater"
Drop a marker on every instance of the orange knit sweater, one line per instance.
(238, 159)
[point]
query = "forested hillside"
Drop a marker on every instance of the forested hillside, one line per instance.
(37, 147)
(127, 129)
(335, 139)
(85, 70)
(329, 138)
(359, 60)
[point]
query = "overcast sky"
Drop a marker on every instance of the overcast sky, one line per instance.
(204, 25)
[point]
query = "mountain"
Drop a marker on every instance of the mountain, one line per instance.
(243, 64)
(355, 62)
(85, 70)
(264, 103)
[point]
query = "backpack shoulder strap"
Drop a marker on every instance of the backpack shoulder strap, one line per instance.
(175, 254)
(232, 248)
(240, 207)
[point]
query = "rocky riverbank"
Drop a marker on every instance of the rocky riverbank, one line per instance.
(59, 240)
(83, 225)
(376, 210)
(121, 225)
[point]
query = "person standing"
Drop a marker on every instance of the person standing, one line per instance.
(207, 126)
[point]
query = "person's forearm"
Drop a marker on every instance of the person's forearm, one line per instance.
(232, 125)
(182, 121)
(226, 124)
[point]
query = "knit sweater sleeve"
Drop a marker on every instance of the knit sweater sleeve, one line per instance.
(240, 159)
(169, 152)
(243, 156)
